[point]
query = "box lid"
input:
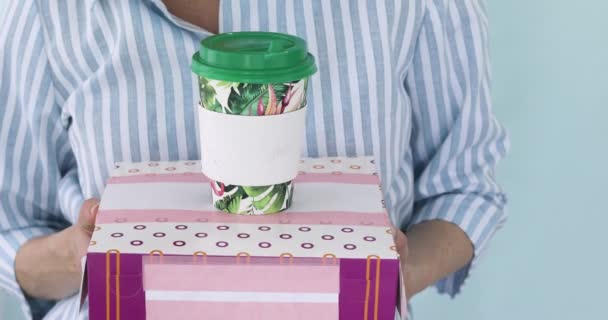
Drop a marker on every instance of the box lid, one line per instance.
(165, 208)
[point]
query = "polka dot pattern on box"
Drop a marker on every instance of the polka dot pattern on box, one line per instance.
(228, 239)
(362, 165)
(307, 245)
(337, 165)
(264, 245)
(157, 167)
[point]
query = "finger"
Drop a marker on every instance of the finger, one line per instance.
(88, 213)
(397, 234)
(399, 238)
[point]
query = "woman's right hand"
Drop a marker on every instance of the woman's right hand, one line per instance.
(49, 267)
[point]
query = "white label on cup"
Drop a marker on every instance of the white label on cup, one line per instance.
(251, 150)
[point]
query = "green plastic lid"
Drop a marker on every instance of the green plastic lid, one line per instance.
(254, 57)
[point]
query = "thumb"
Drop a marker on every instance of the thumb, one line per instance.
(87, 215)
(400, 241)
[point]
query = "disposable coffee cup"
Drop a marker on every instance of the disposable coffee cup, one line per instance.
(252, 117)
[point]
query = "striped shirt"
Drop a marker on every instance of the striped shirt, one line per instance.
(87, 83)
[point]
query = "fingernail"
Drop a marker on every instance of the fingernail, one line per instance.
(94, 209)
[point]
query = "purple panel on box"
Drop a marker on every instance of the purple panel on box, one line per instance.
(353, 287)
(132, 296)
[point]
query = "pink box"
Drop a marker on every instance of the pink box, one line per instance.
(161, 250)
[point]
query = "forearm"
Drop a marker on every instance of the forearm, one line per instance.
(435, 249)
(45, 267)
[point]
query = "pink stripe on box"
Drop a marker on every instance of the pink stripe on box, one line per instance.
(185, 310)
(231, 260)
(242, 277)
(154, 215)
(188, 177)
(349, 178)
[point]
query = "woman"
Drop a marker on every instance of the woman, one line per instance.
(89, 83)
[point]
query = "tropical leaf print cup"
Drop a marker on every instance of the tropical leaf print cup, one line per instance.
(249, 99)
(252, 98)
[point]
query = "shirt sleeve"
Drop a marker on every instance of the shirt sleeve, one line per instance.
(456, 140)
(37, 165)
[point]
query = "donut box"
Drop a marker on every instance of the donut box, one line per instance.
(161, 250)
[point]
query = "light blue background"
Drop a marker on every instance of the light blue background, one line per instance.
(550, 61)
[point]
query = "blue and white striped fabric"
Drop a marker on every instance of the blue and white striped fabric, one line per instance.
(88, 83)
